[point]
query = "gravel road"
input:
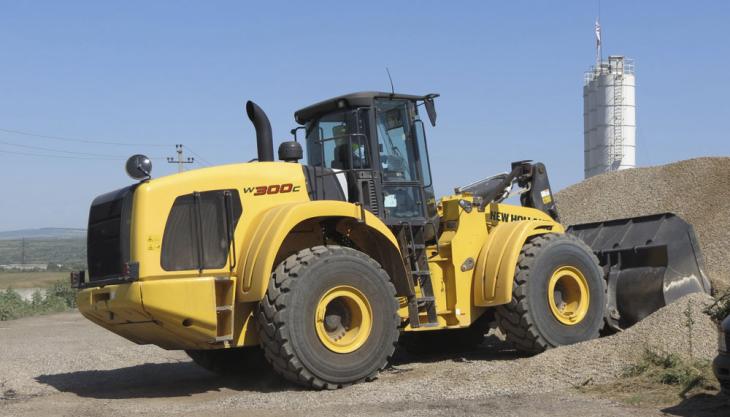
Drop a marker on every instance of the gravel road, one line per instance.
(65, 365)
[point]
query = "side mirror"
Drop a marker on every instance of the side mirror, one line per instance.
(430, 110)
(139, 167)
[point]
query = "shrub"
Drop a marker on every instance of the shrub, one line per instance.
(63, 291)
(670, 369)
(720, 308)
(59, 297)
(12, 306)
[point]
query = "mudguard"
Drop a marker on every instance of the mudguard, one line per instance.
(495, 268)
(262, 244)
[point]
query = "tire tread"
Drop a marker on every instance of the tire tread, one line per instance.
(515, 317)
(277, 347)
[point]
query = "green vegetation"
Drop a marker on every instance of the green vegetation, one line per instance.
(720, 308)
(670, 369)
(44, 233)
(59, 297)
(659, 379)
(69, 253)
(55, 257)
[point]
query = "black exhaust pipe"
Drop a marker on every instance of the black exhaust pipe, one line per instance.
(264, 140)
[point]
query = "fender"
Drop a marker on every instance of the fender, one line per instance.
(262, 244)
(494, 273)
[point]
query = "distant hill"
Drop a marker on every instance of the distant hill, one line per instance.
(44, 233)
(47, 245)
(43, 251)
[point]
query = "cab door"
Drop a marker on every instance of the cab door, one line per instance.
(407, 192)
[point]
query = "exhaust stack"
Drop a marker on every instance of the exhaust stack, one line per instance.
(264, 141)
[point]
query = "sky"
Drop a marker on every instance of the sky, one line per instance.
(149, 75)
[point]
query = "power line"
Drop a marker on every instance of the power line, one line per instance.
(41, 148)
(57, 156)
(201, 160)
(198, 155)
(68, 156)
(79, 140)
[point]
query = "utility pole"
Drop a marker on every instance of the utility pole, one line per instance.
(180, 160)
(22, 251)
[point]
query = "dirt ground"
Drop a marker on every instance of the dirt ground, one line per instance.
(17, 280)
(64, 365)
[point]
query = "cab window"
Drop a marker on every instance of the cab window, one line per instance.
(396, 151)
(339, 141)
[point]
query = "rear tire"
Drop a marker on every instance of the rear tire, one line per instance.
(536, 318)
(329, 318)
(232, 361)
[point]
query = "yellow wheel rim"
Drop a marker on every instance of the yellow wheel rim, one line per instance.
(568, 295)
(344, 319)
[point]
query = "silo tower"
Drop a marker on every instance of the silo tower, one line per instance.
(609, 115)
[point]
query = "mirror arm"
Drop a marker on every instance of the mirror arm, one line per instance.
(294, 131)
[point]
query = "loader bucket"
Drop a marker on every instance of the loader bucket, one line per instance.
(648, 262)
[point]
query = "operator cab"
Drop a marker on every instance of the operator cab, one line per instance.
(374, 144)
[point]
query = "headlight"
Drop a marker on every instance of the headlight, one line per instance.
(722, 344)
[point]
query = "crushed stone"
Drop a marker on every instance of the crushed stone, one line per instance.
(698, 190)
(65, 353)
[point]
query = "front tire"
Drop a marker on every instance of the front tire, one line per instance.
(558, 297)
(329, 318)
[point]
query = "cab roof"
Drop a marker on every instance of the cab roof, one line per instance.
(360, 99)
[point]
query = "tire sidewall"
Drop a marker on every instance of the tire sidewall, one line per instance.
(563, 252)
(320, 276)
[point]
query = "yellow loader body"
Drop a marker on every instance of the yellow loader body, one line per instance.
(213, 308)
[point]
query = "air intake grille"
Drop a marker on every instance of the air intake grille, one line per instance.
(108, 234)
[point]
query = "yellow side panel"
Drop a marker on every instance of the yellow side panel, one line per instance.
(262, 241)
(451, 262)
(124, 302)
(508, 213)
(245, 327)
(186, 306)
(153, 200)
(185, 313)
(495, 267)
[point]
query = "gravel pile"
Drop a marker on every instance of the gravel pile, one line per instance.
(698, 190)
(601, 360)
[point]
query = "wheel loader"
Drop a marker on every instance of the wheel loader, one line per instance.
(319, 267)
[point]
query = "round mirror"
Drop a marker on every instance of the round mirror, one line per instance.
(139, 167)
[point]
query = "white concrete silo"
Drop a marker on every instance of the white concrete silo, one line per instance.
(609, 116)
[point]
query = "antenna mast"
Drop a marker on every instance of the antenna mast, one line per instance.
(597, 28)
(392, 90)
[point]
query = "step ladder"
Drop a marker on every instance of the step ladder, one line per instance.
(224, 298)
(616, 149)
(413, 249)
